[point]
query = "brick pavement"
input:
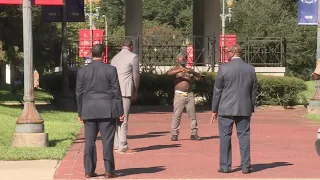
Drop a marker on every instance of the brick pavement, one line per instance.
(282, 146)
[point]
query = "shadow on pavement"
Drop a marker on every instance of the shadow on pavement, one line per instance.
(157, 147)
(261, 167)
(148, 170)
(148, 135)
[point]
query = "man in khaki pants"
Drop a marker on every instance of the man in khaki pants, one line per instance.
(127, 64)
(184, 97)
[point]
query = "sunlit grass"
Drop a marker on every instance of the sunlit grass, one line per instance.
(62, 128)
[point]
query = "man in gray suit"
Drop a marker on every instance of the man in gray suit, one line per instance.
(233, 101)
(99, 108)
(127, 64)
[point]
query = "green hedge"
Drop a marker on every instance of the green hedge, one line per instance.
(158, 89)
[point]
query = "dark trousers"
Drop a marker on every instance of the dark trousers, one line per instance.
(225, 132)
(107, 129)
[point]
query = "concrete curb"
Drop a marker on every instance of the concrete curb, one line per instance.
(16, 103)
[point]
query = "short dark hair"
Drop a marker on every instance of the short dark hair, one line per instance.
(97, 50)
(236, 49)
(127, 42)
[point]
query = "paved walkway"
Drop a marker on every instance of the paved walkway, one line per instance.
(282, 147)
(28, 170)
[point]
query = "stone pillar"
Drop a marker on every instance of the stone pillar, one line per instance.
(198, 30)
(212, 25)
(206, 23)
(133, 23)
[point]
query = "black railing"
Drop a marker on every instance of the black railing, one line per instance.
(163, 50)
(265, 51)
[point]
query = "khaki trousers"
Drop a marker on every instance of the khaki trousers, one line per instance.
(180, 102)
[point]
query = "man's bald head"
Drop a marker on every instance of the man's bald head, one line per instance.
(234, 51)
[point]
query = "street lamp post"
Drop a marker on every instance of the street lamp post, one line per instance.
(91, 15)
(314, 105)
(90, 21)
(29, 126)
(224, 16)
(106, 29)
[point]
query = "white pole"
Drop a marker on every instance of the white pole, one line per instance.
(90, 19)
(223, 30)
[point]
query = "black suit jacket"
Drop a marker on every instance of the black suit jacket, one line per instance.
(98, 92)
(235, 89)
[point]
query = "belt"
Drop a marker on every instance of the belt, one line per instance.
(185, 94)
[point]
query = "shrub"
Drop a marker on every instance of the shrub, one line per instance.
(159, 89)
(284, 91)
(53, 83)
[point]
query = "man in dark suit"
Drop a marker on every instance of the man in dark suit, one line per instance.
(233, 101)
(100, 106)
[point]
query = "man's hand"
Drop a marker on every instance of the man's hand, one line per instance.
(213, 117)
(80, 120)
(121, 118)
(188, 70)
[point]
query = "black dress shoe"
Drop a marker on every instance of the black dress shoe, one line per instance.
(91, 175)
(318, 146)
(224, 170)
(195, 137)
(174, 138)
(246, 170)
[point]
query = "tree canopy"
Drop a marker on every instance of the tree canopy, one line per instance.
(251, 18)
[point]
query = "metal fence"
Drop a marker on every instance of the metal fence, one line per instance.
(160, 51)
(265, 51)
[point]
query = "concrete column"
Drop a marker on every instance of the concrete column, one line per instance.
(206, 23)
(198, 30)
(212, 25)
(133, 23)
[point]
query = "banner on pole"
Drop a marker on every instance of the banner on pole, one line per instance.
(84, 41)
(75, 12)
(10, 1)
(230, 40)
(308, 12)
(48, 2)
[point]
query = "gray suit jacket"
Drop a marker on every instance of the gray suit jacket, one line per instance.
(235, 89)
(98, 92)
(127, 64)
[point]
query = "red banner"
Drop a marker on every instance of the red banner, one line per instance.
(84, 41)
(105, 58)
(190, 55)
(10, 1)
(36, 2)
(48, 2)
(230, 40)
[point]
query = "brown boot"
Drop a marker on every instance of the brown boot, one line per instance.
(110, 175)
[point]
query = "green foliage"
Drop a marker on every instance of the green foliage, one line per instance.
(273, 18)
(52, 82)
(284, 91)
(159, 89)
(114, 10)
(155, 89)
(177, 13)
(62, 128)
